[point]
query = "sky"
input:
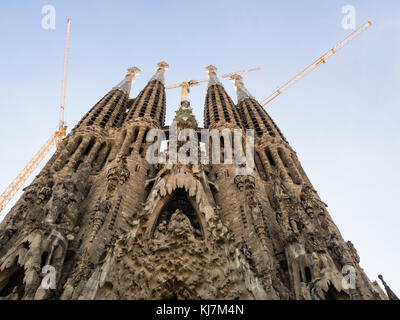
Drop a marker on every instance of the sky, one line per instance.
(342, 119)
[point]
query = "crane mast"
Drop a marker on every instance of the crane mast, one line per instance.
(55, 138)
(65, 75)
(316, 63)
(58, 135)
(17, 183)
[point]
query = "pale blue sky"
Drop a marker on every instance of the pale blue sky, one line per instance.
(342, 119)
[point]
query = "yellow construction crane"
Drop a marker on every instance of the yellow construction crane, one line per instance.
(185, 85)
(55, 138)
(316, 63)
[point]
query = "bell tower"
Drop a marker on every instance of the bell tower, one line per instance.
(105, 222)
(309, 249)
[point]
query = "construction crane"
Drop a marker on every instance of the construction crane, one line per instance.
(185, 85)
(55, 138)
(316, 63)
(58, 135)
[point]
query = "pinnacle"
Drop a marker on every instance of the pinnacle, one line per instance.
(184, 116)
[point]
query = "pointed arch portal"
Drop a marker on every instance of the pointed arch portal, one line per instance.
(178, 200)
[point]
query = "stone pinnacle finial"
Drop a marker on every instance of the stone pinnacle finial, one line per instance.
(211, 69)
(389, 292)
(135, 71)
(241, 91)
(237, 79)
(212, 75)
(161, 67)
(126, 84)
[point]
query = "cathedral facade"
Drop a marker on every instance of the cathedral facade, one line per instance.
(101, 222)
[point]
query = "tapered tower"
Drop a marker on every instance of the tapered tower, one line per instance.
(58, 215)
(312, 257)
(218, 108)
(104, 221)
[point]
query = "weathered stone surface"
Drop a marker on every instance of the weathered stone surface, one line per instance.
(114, 226)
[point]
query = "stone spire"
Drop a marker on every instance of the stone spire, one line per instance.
(252, 114)
(389, 291)
(115, 225)
(212, 75)
(109, 110)
(219, 109)
(241, 91)
(126, 84)
(161, 67)
(150, 102)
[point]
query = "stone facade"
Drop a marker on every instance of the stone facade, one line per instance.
(114, 226)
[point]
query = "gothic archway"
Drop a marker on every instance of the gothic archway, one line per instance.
(178, 200)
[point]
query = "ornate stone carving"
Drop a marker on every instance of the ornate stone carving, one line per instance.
(6, 234)
(315, 243)
(246, 183)
(68, 192)
(353, 252)
(112, 235)
(118, 174)
(100, 213)
(44, 194)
